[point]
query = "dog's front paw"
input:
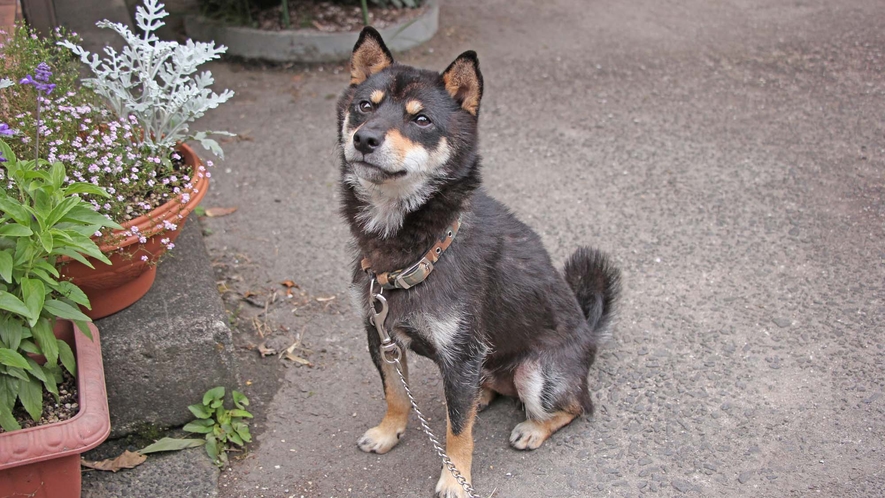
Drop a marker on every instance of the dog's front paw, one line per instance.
(528, 435)
(379, 440)
(448, 487)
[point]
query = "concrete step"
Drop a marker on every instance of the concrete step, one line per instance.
(163, 352)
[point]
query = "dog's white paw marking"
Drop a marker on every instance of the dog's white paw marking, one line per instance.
(379, 440)
(448, 487)
(528, 435)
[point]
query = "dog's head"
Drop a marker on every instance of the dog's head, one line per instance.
(405, 130)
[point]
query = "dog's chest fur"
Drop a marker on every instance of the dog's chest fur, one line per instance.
(430, 322)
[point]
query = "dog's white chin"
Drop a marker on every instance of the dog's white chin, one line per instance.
(388, 201)
(374, 174)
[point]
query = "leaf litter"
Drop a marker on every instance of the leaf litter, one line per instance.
(131, 459)
(128, 460)
(217, 212)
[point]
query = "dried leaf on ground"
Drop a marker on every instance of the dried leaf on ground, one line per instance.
(297, 359)
(289, 354)
(266, 351)
(215, 212)
(289, 284)
(128, 460)
(242, 136)
(262, 328)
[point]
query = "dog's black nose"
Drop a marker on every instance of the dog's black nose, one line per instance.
(366, 141)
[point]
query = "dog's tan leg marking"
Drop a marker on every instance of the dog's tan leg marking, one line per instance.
(529, 435)
(486, 396)
(383, 437)
(459, 447)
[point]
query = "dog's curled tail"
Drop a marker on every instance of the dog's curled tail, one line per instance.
(597, 285)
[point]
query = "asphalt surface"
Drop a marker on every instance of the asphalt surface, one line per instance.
(729, 155)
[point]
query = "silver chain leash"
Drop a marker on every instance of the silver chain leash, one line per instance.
(392, 353)
(424, 426)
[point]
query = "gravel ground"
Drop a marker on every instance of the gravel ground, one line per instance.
(730, 156)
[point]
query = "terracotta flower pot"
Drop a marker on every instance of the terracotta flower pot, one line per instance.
(133, 267)
(44, 461)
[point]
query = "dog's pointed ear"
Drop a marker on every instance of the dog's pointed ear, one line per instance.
(464, 81)
(370, 56)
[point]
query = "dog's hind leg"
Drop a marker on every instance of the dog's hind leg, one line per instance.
(486, 396)
(537, 390)
(383, 437)
(529, 435)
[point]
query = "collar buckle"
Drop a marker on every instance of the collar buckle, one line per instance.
(415, 274)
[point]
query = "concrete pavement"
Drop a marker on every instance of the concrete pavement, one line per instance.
(728, 155)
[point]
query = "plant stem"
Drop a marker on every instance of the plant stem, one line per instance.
(286, 21)
(248, 8)
(365, 12)
(37, 135)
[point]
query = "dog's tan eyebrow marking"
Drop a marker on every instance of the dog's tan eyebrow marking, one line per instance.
(414, 107)
(376, 97)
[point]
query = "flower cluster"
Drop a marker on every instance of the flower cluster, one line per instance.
(73, 126)
(5, 130)
(41, 81)
(100, 149)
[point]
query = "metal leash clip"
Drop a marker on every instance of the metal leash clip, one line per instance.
(390, 350)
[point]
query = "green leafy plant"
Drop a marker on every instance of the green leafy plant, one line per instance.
(41, 219)
(220, 425)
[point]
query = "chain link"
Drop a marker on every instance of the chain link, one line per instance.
(433, 440)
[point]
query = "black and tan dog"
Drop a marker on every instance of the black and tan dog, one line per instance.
(494, 315)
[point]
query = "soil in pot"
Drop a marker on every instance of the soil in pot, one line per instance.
(65, 409)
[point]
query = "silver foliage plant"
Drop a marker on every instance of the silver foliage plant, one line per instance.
(154, 80)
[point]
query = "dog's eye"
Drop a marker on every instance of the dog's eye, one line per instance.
(422, 120)
(365, 106)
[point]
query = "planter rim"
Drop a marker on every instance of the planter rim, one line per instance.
(147, 220)
(86, 430)
(160, 213)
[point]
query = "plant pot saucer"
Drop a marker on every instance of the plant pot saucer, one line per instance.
(310, 45)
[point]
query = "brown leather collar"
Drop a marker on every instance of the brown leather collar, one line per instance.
(418, 272)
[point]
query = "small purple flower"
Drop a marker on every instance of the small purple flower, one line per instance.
(43, 72)
(5, 131)
(2, 159)
(41, 82)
